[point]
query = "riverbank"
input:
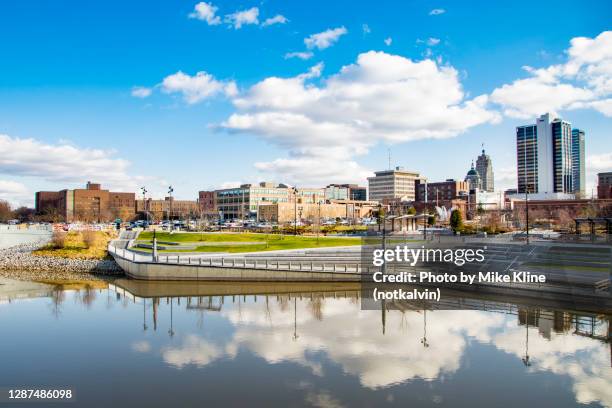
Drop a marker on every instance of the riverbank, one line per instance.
(18, 262)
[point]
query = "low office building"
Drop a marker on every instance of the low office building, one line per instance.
(282, 213)
(604, 185)
(167, 209)
(207, 201)
(243, 202)
(346, 192)
(91, 204)
(443, 190)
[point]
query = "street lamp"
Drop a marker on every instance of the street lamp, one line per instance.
(170, 191)
(295, 192)
(144, 202)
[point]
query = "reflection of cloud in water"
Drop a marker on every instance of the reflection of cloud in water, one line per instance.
(141, 346)
(582, 359)
(194, 350)
(352, 338)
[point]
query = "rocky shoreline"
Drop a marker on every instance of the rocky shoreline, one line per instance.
(18, 262)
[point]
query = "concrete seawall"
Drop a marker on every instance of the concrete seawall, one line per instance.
(140, 266)
(12, 235)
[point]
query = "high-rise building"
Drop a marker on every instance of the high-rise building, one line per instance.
(484, 166)
(578, 174)
(389, 184)
(544, 156)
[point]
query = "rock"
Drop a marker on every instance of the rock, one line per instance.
(18, 262)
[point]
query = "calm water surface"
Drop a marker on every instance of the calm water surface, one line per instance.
(301, 349)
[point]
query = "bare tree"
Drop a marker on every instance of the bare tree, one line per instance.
(5, 211)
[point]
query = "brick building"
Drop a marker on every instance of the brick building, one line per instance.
(604, 185)
(168, 209)
(91, 204)
(442, 191)
(207, 201)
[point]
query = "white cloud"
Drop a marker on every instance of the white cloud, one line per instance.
(431, 41)
(141, 92)
(381, 98)
(596, 163)
(324, 39)
(244, 17)
(436, 12)
(206, 12)
(388, 41)
(63, 163)
(584, 80)
(17, 194)
(366, 29)
(198, 87)
(304, 55)
(277, 19)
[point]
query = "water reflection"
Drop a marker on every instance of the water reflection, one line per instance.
(392, 347)
(323, 332)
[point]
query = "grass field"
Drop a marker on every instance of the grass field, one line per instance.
(265, 242)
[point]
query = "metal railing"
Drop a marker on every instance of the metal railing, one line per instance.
(277, 264)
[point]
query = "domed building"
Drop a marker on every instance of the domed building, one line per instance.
(473, 178)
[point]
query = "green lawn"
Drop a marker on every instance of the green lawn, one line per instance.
(268, 242)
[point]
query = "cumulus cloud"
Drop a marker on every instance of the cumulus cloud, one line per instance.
(277, 19)
(244, 17)
(388, 41)
(206, 12)
(380, 98)
(436, 12)
(17, 194)
(324, 39)
(141, 92)
(64, 163)
(584, 80)
(198, 87)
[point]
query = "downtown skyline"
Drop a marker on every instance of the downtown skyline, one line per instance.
(209, 95)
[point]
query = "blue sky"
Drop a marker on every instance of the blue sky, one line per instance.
(69, 71)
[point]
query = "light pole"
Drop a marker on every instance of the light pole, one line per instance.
(170, 191)
(527, 215)
(295, 193)
(144, 202)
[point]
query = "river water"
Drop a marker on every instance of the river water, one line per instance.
(119, 346)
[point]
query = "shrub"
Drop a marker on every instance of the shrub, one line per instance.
(58, 240)
(89, 238)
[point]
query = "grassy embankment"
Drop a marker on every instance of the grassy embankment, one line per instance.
(77, 245)
(230, 242)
